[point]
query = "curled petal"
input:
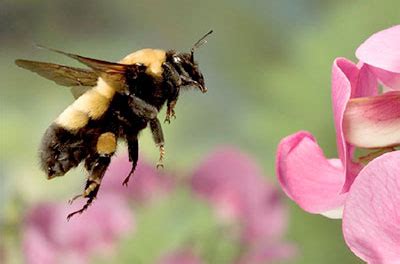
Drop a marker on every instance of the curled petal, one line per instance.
(307, 177)
(371, 221)
(381, 50)
(345, 79)
(344, 74)
(373, 122)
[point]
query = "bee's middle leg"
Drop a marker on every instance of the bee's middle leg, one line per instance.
(143, 109)
(158, 137)
(97, 164)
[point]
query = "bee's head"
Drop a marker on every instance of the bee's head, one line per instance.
(188, 68)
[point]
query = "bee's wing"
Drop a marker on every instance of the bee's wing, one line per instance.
(113, 73)
(80, 80)
(79, 90)
(60, 74)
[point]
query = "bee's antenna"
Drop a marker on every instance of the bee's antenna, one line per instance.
(199, 43)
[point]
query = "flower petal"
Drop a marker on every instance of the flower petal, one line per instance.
(367, 84)
(334, 213)
(306, 176)
(345, 78)
(382, 50)
(371, 221)
(373, 122)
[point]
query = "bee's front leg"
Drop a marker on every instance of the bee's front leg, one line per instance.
(174, 80)
(170, 111)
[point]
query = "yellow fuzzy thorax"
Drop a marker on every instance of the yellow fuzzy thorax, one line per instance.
(152, 58)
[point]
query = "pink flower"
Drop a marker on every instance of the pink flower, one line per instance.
(181, 256)
(363, 118)
(234, 185)
(49, 238)
(320, 185)
(145, 184)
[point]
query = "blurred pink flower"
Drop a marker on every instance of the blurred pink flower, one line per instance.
(259, 254)
(362, 119)
(180, 256)
(49, 238)
(234, 185)
(145, 184)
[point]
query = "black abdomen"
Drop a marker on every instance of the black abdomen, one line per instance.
(61, 150)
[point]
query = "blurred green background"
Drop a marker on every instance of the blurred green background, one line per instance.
(267, 67)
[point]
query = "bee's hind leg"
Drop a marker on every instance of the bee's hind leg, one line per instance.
(97, 165)
(133, 150)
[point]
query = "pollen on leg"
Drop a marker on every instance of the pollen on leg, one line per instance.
(94, 179)
(106, 144)
(90, 189)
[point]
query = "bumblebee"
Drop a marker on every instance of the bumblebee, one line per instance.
(113, 101)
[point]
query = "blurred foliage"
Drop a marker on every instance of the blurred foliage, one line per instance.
(267, 68)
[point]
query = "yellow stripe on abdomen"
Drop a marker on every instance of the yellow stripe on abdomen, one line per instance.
(72, 119)
(91, 105)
